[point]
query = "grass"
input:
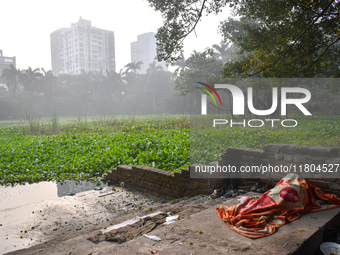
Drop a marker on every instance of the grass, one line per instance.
(33, 125)
(208, 143)
(85, 148)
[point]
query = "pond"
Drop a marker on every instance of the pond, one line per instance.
(19, 195)
(35, 213)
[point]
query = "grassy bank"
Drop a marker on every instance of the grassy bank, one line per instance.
(208, 143)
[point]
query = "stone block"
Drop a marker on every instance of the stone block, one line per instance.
(302, 158)
(246, 152)
(302, 150)
(224, 155)
(276, 156)
(272, 148)
(185, 172)
(178, 173)
(288, 157)
(124, 168)
(333, 161)
(318, 161)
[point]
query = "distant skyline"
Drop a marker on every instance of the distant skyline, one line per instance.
(25, 27)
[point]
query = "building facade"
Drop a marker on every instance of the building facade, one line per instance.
(5, 62)
(144, 49)
(82, 47)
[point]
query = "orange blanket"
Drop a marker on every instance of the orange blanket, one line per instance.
(260, 216)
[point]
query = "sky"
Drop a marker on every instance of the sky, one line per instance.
(25, 27)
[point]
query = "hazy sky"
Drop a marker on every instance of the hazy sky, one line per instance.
(25, 26)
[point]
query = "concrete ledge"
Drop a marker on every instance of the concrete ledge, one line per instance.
(302, 236)
(292, 149)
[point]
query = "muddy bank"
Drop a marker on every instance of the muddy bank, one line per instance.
(200, 233)
(24, 225)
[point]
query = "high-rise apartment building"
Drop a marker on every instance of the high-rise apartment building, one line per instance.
(5, 62)
(82, 47)
(144, 49)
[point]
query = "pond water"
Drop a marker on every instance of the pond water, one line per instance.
(35, 213)
(19, 195)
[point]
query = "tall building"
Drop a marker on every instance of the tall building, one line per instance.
(144, 49)
(82, 47)
(5, 62)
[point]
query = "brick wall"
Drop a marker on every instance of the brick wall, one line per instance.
(172, 183)
(288, 154)
(180, 184)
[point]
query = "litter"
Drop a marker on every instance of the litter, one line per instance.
(126, 231)
(128, 222)
(106, 194)
(171, 218)
(169, 222)
(155, 238)
(329, 248)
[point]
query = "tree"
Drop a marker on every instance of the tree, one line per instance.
(12, 78)
(114, 83)
(132, 78)
(179, 20)
(48, 80)
(133, 66)
(97, 80)
(201, 66)
(30, 79)
(153, 68)
(85, 80)
(153, 80)
(181, 63)
(283, 38)
(223, 51)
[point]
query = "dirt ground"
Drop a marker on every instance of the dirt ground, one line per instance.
(62, 226)
(28, 225)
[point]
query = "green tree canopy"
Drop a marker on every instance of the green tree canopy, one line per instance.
(12, 78)
(277, 38)
(285, 39)
(181, 64)
(30, 79)
(223, 51)
(200, 67)
(133, 66)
